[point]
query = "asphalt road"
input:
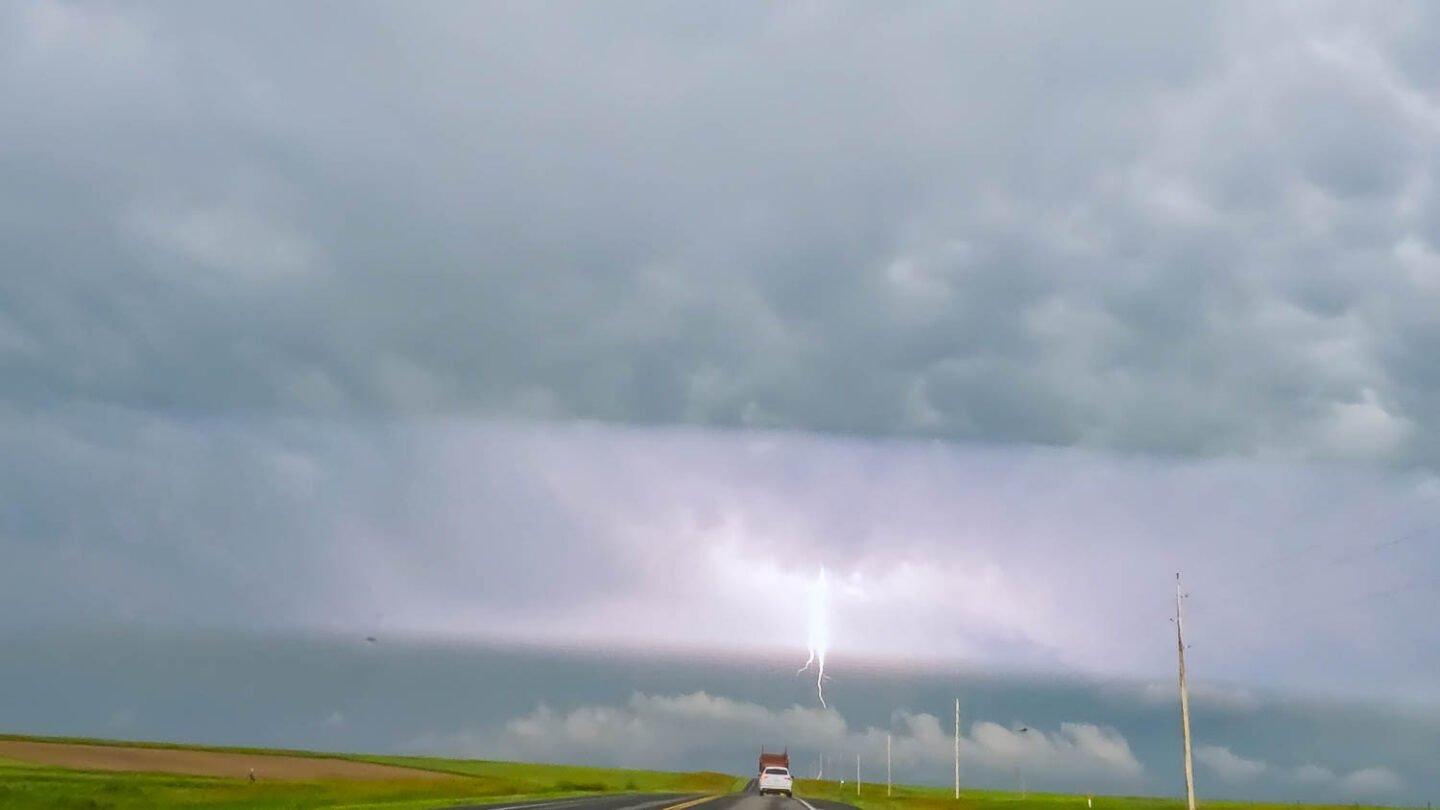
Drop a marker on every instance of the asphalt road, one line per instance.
(748, 799)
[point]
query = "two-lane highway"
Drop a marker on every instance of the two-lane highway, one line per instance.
(748, 799)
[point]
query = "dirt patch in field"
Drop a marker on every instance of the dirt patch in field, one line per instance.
(203, 763)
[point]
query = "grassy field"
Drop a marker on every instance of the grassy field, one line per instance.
(528, 778)
(24, 786)
(872, 797)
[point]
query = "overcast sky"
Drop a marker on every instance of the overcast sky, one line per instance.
(608, 326)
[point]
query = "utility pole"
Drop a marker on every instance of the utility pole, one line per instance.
(857, 776)
(1184, 698)
(957, 748)
(1020, 765)
(889, 780)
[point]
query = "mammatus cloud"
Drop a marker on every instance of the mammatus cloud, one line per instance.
(660, 729)
(1237, 770)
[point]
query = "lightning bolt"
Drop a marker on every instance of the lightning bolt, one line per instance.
(819, 636)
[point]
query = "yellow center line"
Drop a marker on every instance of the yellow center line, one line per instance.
(690, 803)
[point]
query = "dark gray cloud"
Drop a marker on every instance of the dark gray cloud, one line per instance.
(1187, 230)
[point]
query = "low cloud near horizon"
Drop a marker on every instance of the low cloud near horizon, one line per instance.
(1234, 769)
(667, 731)
(700, 731)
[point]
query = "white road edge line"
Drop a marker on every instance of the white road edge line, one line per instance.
(802, 801)
(658, 803)
(580, 800)
(531, 806)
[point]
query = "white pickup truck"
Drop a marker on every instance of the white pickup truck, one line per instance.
(775, 779)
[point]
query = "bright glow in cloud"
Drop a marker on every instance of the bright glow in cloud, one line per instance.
(997, 557)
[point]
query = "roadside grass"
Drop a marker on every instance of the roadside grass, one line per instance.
(872, 797)
(24, 786)
(909, 797)
(571, 777)
(516, 777)
(434, 804)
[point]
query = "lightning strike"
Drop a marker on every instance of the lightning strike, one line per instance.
(819, 636)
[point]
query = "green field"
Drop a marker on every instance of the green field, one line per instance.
(528, 778)
(24, 786)
(872, 797)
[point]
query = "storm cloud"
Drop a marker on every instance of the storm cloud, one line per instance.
(1183, 229)
(569, 326)
(1022, 559)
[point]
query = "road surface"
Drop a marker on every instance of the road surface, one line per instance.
(748, 799)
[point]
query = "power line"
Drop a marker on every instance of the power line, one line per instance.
(1378, 547)
(1328, 606)
(1301, 611)
(1300, 548)
(1232, 600)
(1413, 585)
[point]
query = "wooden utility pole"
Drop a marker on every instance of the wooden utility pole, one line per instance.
(1184, 698)
(957, 748)
(1020, 765)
